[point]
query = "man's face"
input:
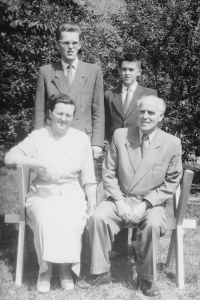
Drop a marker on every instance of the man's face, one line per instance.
(69, 45)
(150, 114)
(129, 72)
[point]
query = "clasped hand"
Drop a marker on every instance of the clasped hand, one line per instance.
(50, 171)
(127, 214)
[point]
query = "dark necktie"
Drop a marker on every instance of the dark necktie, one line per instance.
(69, 75)
(144, 144)
(127, 101)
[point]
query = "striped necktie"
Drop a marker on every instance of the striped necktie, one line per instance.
(144, 144)
(69, 75)
(127, 101)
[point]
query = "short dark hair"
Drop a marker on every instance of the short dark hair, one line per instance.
(131, 57)
(68, 27)
(61, 98)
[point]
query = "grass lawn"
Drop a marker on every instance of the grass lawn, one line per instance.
(123, 270)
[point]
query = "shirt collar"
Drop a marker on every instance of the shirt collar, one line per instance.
(151, 135)
(65, 65)
(132, 87)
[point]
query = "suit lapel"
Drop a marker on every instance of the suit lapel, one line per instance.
(149, 159)
(117, 101)
(80, 78)
(133, 149)
(136, 96)
(59, 78)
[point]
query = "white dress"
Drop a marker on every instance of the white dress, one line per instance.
(57, 210)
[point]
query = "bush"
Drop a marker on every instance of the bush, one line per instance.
(165, 33)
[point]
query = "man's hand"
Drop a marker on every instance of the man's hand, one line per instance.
(138, 212)
(123, 210)
(96, 151)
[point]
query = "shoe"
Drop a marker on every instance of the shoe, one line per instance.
(101, 279)
(67, 284)
(83, 284)
(148, 288)
(43, 286)
(113, 255)
(97, 280)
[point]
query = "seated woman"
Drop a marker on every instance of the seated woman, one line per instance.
(56, 205)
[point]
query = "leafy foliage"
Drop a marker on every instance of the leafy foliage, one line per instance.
(165, 33)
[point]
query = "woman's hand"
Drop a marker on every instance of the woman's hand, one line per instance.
(50, 171)
(90, 211)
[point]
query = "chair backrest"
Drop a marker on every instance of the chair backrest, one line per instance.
(23, 178)
(181, 196)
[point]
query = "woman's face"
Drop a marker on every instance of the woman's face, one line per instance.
(61, 117)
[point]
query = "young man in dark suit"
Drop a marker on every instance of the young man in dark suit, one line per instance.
(83, 82)
(120, 112)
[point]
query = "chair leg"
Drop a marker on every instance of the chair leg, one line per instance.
(25, 247)
(171, 252)
(179, 257)
(20, 254)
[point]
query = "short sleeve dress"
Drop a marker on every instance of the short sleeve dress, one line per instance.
(57, 210)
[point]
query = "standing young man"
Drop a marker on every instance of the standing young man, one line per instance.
(121, 112)
(83, 82)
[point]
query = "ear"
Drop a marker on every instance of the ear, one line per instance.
(50, 113)
(139, 72)
(79, 46)
(58, 45)
(161, 116)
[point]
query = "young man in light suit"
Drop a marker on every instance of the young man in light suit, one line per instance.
(121, 112)
(141, 171)
(83, 82)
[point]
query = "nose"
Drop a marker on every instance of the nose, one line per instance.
(63, 118)
(145, 115)
(70, 46)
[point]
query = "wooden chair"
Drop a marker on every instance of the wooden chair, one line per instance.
(23, 181)
(177, 223)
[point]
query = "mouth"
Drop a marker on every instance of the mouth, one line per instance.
(62, 123)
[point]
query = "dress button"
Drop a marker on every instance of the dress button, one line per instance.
(81, 105)
(77, 118)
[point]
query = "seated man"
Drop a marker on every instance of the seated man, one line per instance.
(141, 171)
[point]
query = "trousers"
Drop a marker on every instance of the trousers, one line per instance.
(105, 223)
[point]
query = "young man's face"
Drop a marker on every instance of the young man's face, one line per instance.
(129, 71)
(69, 45)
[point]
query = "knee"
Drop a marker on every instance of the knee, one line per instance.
(153, 225)
(97, 217)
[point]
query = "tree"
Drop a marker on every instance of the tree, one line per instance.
(165, 33)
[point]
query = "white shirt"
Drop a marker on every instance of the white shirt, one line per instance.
(132, 89)
(65, 65)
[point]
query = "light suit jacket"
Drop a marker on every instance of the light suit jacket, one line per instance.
(154, 178)
(86, 90)
(114, 113)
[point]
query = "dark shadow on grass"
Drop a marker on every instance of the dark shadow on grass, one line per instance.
(8, 244)
(162, 268)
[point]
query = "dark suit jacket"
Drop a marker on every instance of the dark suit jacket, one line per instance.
(154, 178)
(86, 90)
(114, 115)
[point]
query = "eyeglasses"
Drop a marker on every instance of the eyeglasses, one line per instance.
(67, 44)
